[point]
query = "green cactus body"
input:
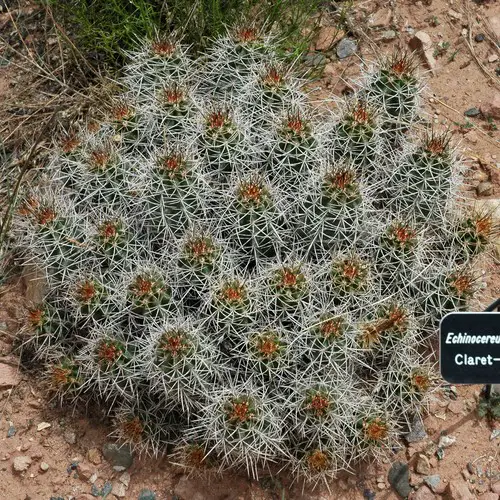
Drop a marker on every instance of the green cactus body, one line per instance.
(355, 137)
(243, 274)
(395, 89)
(149, 294)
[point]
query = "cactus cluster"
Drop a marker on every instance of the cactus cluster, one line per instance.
(240, 275)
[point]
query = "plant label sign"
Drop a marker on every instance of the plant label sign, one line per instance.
(469, 350)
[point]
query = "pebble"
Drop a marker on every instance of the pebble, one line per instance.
(42, 426)
(423, 493)
(495, 434)
(423, 467)
(435, 484)
(94, 456)
(119, 490)
(44, 466)
(381, 18)
(346, 48)
(84, 471)
(454, 14)
(446, 441)
(417, 430)
(399, 478)
(484, 189)
(455, 407)
(21, 463)
(479, 37)
(472, 112)
(493, 58)
(146, 495)
(11, 432)
(388, 35)
(458, 490)
(118, 455)
(125, 479)
(314, 60)
(422, 42)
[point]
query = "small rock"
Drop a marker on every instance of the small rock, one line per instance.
(314, 60)
(9, 376)
(417, 430)
(328, 36)
(346, 48)
(491, 108)
(422, 466)
(484, 189)
(458, 490)
(422, 43)
(446, 441)
(495, 433)
(471, 136)
(454, 14)
(70, 437)
(11, 432)
(106, 489)
(495, 487)
(118, 455)
(44, 466)
(435, 484)
(119, 490)
(368, 495)
(84, 471)
(25, 446)
(42, 426)
(423, 493)
(21, 463)
(470, 468)
(388, 35)
(330, 69)
(381, 19)
(415, 479)
(125, 479)
(94, 456)
(493, 58)
(146, 495)
(472, 112)
(488, 496)
(399, 478)
(479, 37)
(381, 486)
(456, 407)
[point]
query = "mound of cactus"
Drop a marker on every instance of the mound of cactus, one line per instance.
(241, 275)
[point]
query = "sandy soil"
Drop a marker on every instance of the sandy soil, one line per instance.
(472, 463)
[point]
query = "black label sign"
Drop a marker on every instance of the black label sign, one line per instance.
(470, 348)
